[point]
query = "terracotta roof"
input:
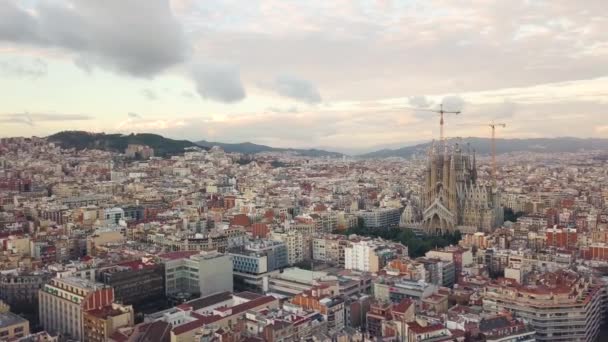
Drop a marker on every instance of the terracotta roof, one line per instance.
(418, 329)
(104, 312)
(403, 306)
(118, 337)
(248, 295)
(137, 264)
(158, 331)
(237, 309)
(252, 304)
(178, 255)
(213, 299)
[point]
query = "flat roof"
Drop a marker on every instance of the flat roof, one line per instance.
(8, 319)
(300, 275)
(80, 282)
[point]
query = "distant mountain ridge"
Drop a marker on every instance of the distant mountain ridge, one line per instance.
(483, 146)
(81, 140)
(251, 148)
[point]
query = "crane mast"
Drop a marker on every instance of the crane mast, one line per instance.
(493, 127)
(441, 113)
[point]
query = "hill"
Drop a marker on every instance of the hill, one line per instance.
(118, 142)
(251, 148)
(483, 146)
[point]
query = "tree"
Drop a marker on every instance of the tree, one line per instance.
(512, 216)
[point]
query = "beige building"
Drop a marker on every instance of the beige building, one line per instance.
(295, 243)
(330, 248)
(63, 302)
(19, 245)
(13, 326)
(100, 323)
(101, 238)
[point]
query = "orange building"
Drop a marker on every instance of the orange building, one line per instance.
(561, 237)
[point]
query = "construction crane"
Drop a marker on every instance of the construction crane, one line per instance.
(441, 112)
(493, 126)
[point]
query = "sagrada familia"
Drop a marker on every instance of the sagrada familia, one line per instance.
(453, 199)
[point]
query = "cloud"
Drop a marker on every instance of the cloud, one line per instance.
(187, 94)
(137, 37)
(149, 94)
(453, 103)
(292, 109)
(31, 119)
(420, 101)
(32, 68)
(219, 82)
(150, 125)
(133, 115)
(422, 47)
(297, 88)
(505, 110)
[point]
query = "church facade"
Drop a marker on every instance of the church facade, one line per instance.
(453, 199)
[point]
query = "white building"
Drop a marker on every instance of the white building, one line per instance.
(204, 274)
(361, 256)
(113, 216)
(295, 243)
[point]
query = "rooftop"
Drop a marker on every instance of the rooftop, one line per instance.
(105, 312)
(8, 319)
(78, 282)
(213, 299)
(178, 255)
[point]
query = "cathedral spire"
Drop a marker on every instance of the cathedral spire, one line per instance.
(474, 170)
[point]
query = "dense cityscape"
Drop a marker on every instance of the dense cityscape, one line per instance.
(213, 246)
(316, 171)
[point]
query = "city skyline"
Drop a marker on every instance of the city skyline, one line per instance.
(285, 74)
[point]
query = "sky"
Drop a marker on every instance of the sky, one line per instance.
(351, 76)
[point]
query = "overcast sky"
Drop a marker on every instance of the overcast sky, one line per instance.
(334, 74)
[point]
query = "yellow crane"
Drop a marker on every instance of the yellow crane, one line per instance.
(441, 112)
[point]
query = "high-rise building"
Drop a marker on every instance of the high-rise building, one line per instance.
(63, 302)
(453, 199)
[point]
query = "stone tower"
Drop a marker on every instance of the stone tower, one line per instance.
(452, 197)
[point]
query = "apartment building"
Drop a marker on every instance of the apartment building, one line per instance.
(100, 324)
(560, 306)
(295, 243)
(128, 278)
(63, 302)
(13, 327)
(380, 217)
(201, 273)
